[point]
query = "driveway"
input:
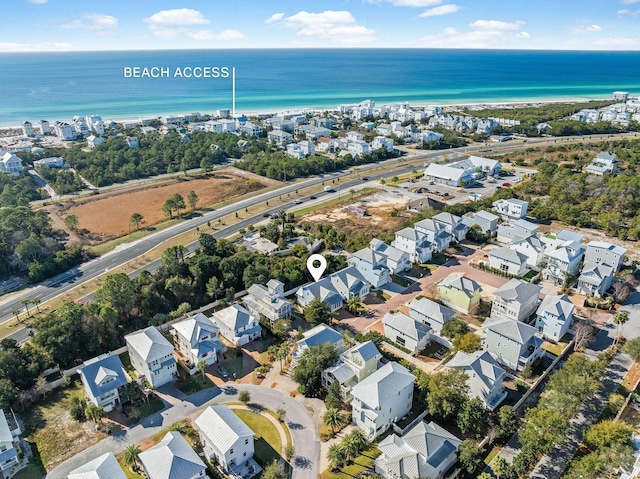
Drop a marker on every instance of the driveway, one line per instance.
(304, 434)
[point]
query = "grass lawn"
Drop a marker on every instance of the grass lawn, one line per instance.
(233, 365)
(268, 444)
(494, 452)
(554, 349)
(32, 471)
(193, 384)
(362, 462)
(148, 408)
(127, 470)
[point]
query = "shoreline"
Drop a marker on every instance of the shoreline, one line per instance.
(448, 107)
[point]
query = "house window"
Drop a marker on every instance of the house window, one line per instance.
(3, 448)
(246, 441)
(400, 341)
(504, 267)
(231, 451)
(244, 454)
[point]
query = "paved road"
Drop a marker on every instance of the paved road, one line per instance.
(306, 464)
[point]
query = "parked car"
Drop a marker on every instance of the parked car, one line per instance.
(298, 202)
(506, 185)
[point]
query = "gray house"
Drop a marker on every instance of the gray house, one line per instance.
(406, 331)
(513, 343)
(554, 317)
(172, 458)
(595, 279)
(430, 313)
(516, 300)
(452, 224)
(603, 252)
(487, 222)
(509, 261)
(484, 376)
(516, 230)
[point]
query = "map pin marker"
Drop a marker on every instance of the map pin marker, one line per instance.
(316, 271)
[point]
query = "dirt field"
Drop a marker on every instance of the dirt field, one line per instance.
(107, 216)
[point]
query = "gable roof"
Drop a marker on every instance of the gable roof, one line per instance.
(149, 343)
(376, 389)
(171, 458)
(509, 255)
(486, 215)
(97, 369)
(517, 290)
(321, 334)
(410, 233)
(436, 311)
(195, 328)
(614, 248)
(413, 328)
(482, 364)
(532, 241)
(366, 351)
(558, 305)
(222, 426)
(103, 467)
(518, 331)
(235, 317)
(595, 273)
(462, 283)
(447, 218)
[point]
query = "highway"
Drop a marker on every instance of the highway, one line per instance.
(127, 252)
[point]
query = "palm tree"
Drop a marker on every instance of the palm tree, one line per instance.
(283, 352)
(94, 413)
(26, 302)
(360, 440)
(36, 302)
(333, 419)
(336, 455)
(354, 305)
(130, 455)
(16, 313)
(201, 367)
(619, 319)
(351, 446)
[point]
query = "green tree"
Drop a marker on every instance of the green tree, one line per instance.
(471, 456)
(119, 291)
(508, 422)
(206, 163)
(168, 207)
(131, 454)
(585, 467)
(136, 219)
(485, 475)
(8, 393)
(454, 328)
(317, 311)
(545, 427)
(309, 368)
(281, 413)
(192, 199)
(332, 419)
(607, 433)
(355, 442)
(336, 455)
(632, 348)
(501, 467)
(447, 393)
(619, 319)
(177, 201)
(289, 451)
(202, 368)
(94, 413)
(468, 342)
(334, 397)
(472, 420)
(214, 288)
(244, 396)
(274, 471)
(355, 305)
(71, 221)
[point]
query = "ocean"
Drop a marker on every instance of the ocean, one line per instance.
(58, 86)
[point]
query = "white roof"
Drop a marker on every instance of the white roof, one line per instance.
(431, 309)
(467, 285)
(520, 332)
(385, 383)
(149, 343)
(517, 290)
(481, 368)
(5, 432)
(195, 328)
(445, 172)
(610, 246)
(559, 306)
(411, 327)
(103, 467)
(171, 458)
(509, 255)
(222, 426)
(235, 317)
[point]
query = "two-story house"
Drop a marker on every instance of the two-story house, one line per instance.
(268, 301)
(10, 163)
(406, 331)
(397, 260)
(532, 249)
(511, 209)
(452, 224)
(487, 222)
(511, 231)
(430, 313)
(152, 356)
(237, 325)
(508, 261)
(172, 458)
(226, 439)
(415, 244)
(595, 279)
(436, 234)
(9, 439)
(554, 317)
(195, 340)
(372, 265)
(516, 300)
(354, 365)
(102, 467)
(484, 376)
(280, 138)
(459, 293)
(513, 343)
(103, 378)
(382, 398)
(321, 334)
(603, 252)
(564, 261)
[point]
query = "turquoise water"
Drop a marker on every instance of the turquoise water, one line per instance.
(57, 86)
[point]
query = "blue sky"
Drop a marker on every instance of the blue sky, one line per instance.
(53, 25)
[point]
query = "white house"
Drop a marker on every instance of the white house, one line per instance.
(452, 224)
(195, 340)
(44, 127)
(426, 451)
(9, 439)
(132, 142)
(416, 244)
(10, 163)
(516, 300)
(509, 261)
(172, 458)
(102, 378)
(532, 248)
(604, 162)
(487, 222)
(436, 234)
(382, 398)
(102, 467)
(152, 356)
(508, 232)
(603, 252)
(595, 279)
(397, 260)
(514, 343)
(564, 261)
(64, 131)
(406, 331)
(353, 366)
(372, 265)
(430, 313)
(382, 142)
(554, 317)
(94, 141)
(358, 148)
(268, 301)
(280, 138)
(428, 135)
(335, 288)
(484, 376)
(51, 162)
(237, 325)
(225, 438)
(511, 209)
(321, 334)
(27, 129)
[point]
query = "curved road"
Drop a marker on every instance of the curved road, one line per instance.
(306, 463)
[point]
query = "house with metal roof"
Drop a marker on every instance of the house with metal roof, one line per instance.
(532, 248)
(195, 340)
(397, 260)
(103, 378)
(508, 261)
(349, 283)
(511, 231)
(513, 343)
(415, 243)
(484, 376)
(516, 300)
(430, 313)
(436, 234)
(9, 440)
(603, 252)
(459, 293)
(227, 440)
(595, 279)
(511, 208)
(452, 224)
(382, 398)
(321, 334)
(237, 325)
(406, 331)
(372, 265)
(425, 450)
(604, 162)
(172, 458)
(268, 301)
(354, 365)
(152, 356)
(103, 467)
(487, 222)
(564, 261)
(336, 288)
(554, 316)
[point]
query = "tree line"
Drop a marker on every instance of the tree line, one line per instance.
(19, 190)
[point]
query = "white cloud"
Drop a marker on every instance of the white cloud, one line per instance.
(93, 21)
(482, 34)
(332, 25)
(38, 2)
(587, 29)
(35, 47)
(618, 43)
(635, 13)
(178, 16)
(274, 18)
(441, 10)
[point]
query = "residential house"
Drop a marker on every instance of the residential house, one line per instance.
(102, 467)
(604, 162)
(45, 129)
(397, 260)
(312, 132)
(152, 356)
(406, 331)
(564, 261)
(27, 129)
(226, 439)
(436, 234)
(358, 148)
(353, 366)
(509, 232)
(349, 283)
(427, 136)
(416, 244)
(10, 163)
(603, 252)
(132, 142)
(382, 398)
(532, 248)
(484, 376)
(372, 265)
(430, 313)
(321, 334)
(237, 325)
(553, 241)
(52, 162)
(280, 138)
(251, 129)
(9, 444)
(322, 290)
(103, 378)
(516, 300)
(487, 222)
(508, 261)
(94, 141)
(595, 279)
(426, 450)
(459, 293)
(95, 124)
(326, 145)
(307, 147)
(268, 301)
(382, 142)
(172, 458)
(554, 317)
(514, 343)
(195, 340)
(452, 224)
(512, 208)
(64, 131)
